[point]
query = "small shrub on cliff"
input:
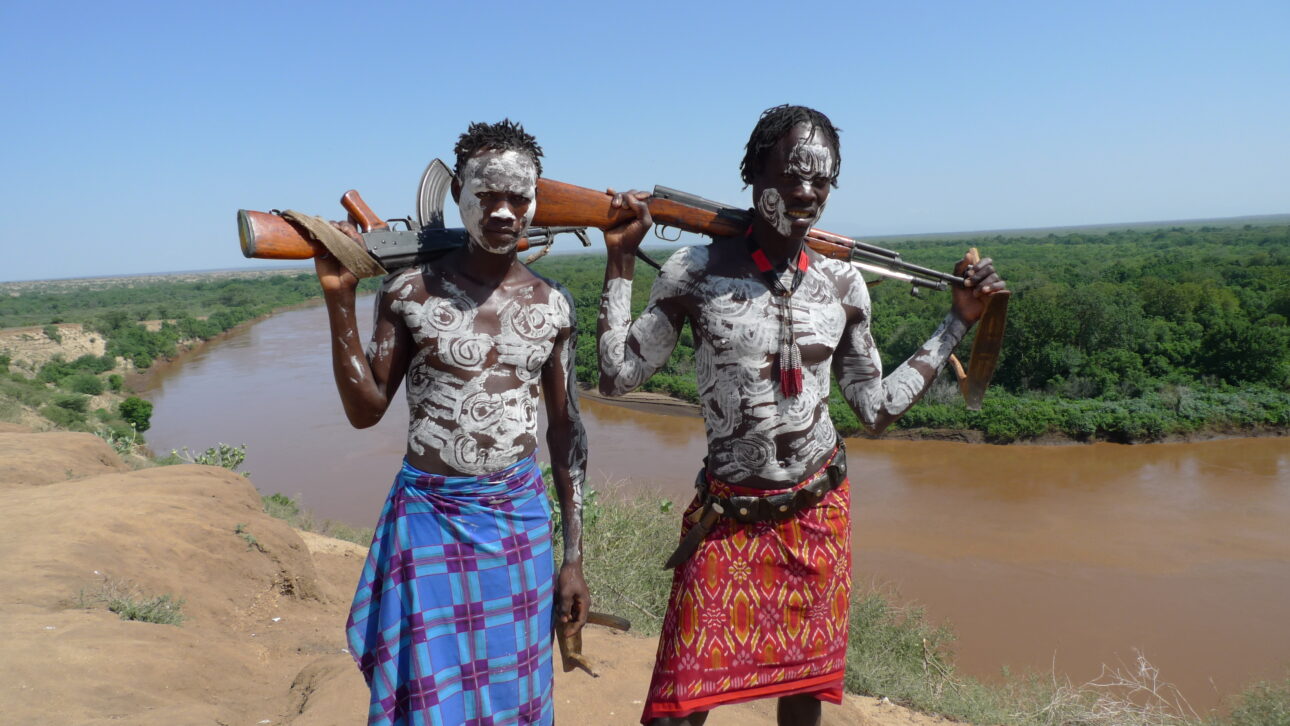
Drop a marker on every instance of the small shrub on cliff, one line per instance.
(226, 455)
(63, 418)
(94, 363)
(137, 412)
(51, 332)
(86, 383)
(55, 370)
(122, 437)
(162, 609)
(281, 506)
(72, 402)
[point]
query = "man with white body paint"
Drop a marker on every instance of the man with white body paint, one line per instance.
(452, 620)
(761, 591)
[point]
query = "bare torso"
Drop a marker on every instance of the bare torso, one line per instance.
(756, 436)
(476, 362)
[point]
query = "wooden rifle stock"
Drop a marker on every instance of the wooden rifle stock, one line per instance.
(268, 236)
(561, 204)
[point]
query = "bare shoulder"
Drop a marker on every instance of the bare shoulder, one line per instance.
(405, 284)
(548, 288)
(555, 294)
(845, 279)
(688, 264)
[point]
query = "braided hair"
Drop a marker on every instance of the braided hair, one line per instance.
(505, 135)
(771, 127)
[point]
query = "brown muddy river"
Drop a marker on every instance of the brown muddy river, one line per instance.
(1038, 556)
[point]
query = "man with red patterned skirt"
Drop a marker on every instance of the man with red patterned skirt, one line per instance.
(762, 582)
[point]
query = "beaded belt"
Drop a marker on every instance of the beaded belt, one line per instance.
(748, 509)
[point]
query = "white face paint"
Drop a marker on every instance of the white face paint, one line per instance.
(771, 208)
(491, 174)
(809, 162)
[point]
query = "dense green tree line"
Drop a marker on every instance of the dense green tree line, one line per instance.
(1125, 335)
(147, 299)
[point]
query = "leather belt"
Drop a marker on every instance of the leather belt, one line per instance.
(749, 509)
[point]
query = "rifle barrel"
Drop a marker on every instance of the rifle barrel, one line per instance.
(859, 255)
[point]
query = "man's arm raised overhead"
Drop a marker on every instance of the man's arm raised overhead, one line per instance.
(631, 352)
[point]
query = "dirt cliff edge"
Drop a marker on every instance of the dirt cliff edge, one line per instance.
(264, 606)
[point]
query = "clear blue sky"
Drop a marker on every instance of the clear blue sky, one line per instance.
(134, 131)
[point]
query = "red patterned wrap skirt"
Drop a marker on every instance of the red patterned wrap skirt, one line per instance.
(759, 611)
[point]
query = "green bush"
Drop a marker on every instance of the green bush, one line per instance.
(224, 455)
(1007, 419)
(51, 332)
(115, 382)
(86, 383)
(94, 363)
(55, 370)
(281, 506)
(27, 392)
(72, 402)
(63, 418)
(935, 416)
(1264, 704)
(137, 412)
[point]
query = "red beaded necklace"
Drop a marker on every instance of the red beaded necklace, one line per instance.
(789, 361)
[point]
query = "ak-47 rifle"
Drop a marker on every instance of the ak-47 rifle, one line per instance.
(270, 236)
(565, 207)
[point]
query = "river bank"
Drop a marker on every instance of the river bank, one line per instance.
(664, 404)
(140, 379)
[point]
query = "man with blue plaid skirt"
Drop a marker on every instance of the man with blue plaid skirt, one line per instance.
(452, 620)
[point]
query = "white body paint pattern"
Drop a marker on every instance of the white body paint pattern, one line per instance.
(576, 458)
(754, 432)
(511, 172)
(472, 380)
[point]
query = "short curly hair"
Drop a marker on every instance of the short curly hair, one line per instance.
(771, 127)
(505, 135)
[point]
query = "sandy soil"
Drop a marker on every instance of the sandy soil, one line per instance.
(265, 605)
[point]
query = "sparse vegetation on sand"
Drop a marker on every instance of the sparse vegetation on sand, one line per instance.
(126, 600)
(290, 511)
